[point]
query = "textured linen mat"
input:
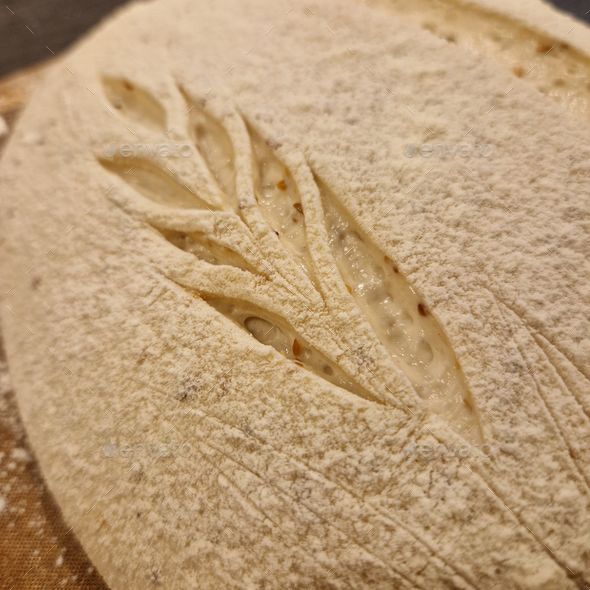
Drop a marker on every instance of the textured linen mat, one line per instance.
(37, 549)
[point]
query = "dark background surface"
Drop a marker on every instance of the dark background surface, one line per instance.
(31, 30)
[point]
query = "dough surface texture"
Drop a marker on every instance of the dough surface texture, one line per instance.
(296, 296)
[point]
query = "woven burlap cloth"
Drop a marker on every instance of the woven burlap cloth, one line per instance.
(37, 549)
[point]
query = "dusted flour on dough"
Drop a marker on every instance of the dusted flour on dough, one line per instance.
(555, 61)
(202, 371)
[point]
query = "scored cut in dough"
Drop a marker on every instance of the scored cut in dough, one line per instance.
(257, 342)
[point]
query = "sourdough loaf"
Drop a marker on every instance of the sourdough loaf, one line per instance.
(297, 296)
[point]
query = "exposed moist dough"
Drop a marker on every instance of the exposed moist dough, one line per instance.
(214, 144)
(284, 340)
(402, 321)
(279, 200)
(134, 102)
(205, 249)
(153, 182)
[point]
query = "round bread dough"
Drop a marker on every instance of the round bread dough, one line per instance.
(296, 296)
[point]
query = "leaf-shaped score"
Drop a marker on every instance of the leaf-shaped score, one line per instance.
(215, 146)
(276, 333)
(275, 190)
(400, 320)
(206, 249)
(134, 103)
(278, 197)
(153, 183)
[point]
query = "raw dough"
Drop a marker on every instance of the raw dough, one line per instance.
(204, 373)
